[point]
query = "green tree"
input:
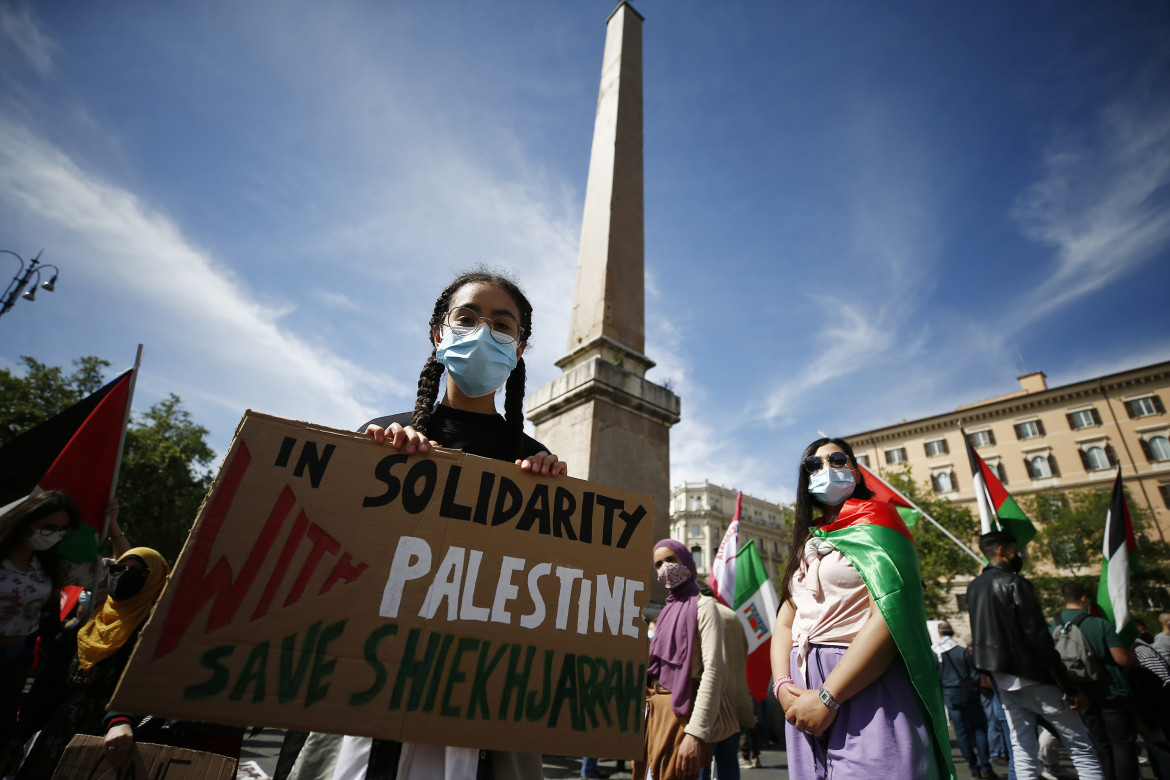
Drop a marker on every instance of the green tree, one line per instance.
(165, 463)
(43, 392)
(940, 559)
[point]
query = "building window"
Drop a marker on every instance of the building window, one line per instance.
(775, 548)
(1144, 407)
(1083, 418)
(1095, 458)
(697, 554)
(695, 530)
(896, 455)
(936, 447)
(1164, 489)
(1030, 429)
(984, 438)
(1156, 448)
(1039, 467)
(944, 482)
(1001, 472)
(863, 460)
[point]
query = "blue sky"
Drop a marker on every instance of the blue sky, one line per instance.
(855, 212)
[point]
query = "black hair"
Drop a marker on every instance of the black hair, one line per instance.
(805, 502)
(1072, 591)
(14, 524)
(428, 380)
(944, 629)
(990, 542)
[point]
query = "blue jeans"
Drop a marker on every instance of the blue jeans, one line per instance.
(1023, 707)
(970, 728)
(726, 757)
(589, 767)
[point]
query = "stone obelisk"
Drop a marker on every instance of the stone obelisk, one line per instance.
(602, 416)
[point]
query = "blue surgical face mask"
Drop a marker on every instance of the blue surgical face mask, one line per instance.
(477, 363)
(832, 486)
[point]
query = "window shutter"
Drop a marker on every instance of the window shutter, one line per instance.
(1052, 466)
(934, 483)
(1131, 409)
(1110, 455)
(1002, 472)
(1072, 422)
(1149, 453)
(926, 448)
(1019, 430)
(1096, 416)
(1157, 399)
(1084, 459)
(954, 481)
(990, 436)
(1028, 468)
(946, 447)
(1040, 426)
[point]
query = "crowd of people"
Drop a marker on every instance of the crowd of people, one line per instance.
(860, 680)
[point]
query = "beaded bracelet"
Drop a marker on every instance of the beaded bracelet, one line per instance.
(777, 684)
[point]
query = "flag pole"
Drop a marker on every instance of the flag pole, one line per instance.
(122, 441)
(934, 522)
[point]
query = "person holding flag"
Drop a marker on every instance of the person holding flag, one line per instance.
(850, 652)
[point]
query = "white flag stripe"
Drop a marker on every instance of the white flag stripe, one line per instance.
(1117, 578)
(987, 519)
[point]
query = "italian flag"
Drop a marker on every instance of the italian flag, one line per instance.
(997, 509)
(884, 491)
(873, 537)
(756, 606)
(1119, 556)
(77, 452)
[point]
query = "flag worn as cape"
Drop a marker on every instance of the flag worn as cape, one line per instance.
(878, 544)
(722, 577)
(1119, 556)
(76, 452)
(997, 509)
(756, 606)
(884, 491)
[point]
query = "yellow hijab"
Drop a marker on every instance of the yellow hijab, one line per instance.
(114, 623)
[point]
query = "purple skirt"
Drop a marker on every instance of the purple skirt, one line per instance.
(879, 732)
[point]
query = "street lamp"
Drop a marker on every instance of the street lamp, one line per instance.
(21, 280)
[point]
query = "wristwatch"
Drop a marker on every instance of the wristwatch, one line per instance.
(827, 699)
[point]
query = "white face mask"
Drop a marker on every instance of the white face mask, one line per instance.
(832, 486)
(40, 541)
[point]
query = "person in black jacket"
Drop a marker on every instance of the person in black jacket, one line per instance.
(1012, 643)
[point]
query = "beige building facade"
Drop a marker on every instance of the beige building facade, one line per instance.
(701, 512)
(1038, 438)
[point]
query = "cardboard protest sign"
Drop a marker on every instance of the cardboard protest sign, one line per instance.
(333, 584)
(85, 759)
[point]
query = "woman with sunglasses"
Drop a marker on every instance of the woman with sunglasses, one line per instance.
(478, 329)
(851, 657)
(104, 645)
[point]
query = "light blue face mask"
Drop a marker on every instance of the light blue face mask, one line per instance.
(832, 486)
(477, 363)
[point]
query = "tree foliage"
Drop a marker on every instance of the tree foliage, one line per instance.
(165, 463)
(940, 559)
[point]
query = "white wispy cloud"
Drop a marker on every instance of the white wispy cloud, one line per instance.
(19, 29)
(1101, 204)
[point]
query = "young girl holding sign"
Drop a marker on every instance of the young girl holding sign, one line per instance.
(479, 329)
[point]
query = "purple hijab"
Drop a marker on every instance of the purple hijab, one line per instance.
(674, 639)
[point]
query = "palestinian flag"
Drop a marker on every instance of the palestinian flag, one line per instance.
(722, 577)
(76, 452)
(884, 491)
(756, 605)
(1119, 556)
(878, 544)
(997, 509)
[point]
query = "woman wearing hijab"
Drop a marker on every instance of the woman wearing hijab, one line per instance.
(104, 645)
(686, 673)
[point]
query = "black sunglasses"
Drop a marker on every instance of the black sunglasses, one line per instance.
(814, 463)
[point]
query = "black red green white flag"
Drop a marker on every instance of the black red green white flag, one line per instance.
(997, 509)
(1119, 556)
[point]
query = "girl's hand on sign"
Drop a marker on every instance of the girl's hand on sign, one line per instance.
(118, 743)
(404, 439)
(545, 464)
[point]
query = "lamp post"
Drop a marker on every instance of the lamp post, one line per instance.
(21, 280)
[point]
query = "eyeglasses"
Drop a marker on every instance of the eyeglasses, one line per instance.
(118, 568)
(503, 327)
(814, 463)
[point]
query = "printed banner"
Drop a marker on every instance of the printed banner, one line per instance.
(85, 759)
(333, 584)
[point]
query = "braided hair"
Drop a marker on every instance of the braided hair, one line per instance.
(428, 380)
(803, 520)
